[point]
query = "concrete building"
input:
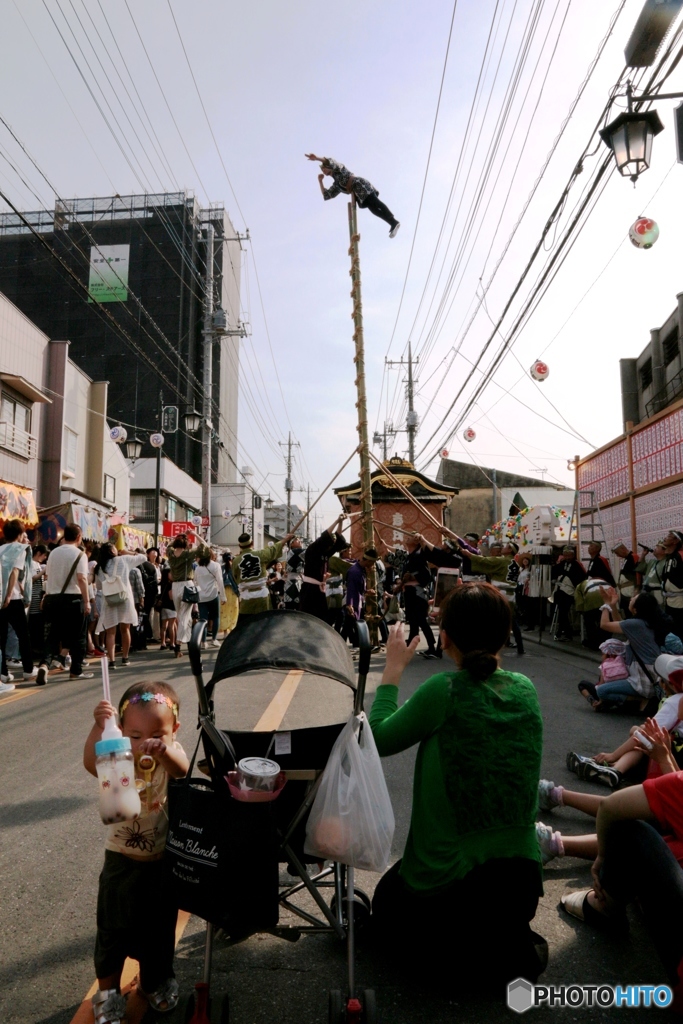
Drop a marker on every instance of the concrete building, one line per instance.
(247, 512)
(485, 496)
(653, 380)
(636, 480)
(276, 520)
(180, 496)
(136, 320)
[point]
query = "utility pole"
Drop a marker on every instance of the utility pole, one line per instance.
(157, 486)
(411, 417)
(359, 359)
(289, 483)
(207, 380)
(385, 438)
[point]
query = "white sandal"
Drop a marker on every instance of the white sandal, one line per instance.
(108, 1006)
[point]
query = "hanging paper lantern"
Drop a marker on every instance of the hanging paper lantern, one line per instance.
(644, 233)
(444, 453)
(118, 435)
(469, 434)
(539, 370)
(156, 440)
(196, 520)
(227, 513)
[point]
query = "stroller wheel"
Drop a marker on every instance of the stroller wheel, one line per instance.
(361, 909)
(369, 1006)
(336, 1008)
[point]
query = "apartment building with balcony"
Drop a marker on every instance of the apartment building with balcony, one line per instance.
(54, 436)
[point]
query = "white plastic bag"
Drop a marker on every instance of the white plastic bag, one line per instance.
(352, 820)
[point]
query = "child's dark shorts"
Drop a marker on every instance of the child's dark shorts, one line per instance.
(135, 919)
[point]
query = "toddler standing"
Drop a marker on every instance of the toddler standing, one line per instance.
(134, 918)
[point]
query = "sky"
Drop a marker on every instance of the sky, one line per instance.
(361, 82)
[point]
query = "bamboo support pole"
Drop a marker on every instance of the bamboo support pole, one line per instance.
(361, 405)
(325, 490)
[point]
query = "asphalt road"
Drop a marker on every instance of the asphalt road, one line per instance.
(51, 843)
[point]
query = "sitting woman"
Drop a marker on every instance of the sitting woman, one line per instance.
(639, 858)
(472, 857)
(646, 633)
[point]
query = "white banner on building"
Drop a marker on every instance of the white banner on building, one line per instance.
(109, 273)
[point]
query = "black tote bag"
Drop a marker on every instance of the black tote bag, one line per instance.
(221, 858)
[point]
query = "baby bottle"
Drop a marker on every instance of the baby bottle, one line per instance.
(119, 799)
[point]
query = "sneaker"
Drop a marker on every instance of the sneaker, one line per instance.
(549, 842)
(592, 771)
(6, 687)
(14, 663)
(394, 230)
(112, 666)
(41, 675)
(67, 662)
(82, 675)
(30, 676)
(575, 761)
(549, 795)
(9, 678)
(125, 662)
(428, 655)
(216, 643)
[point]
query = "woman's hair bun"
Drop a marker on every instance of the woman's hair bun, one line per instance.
(479, 664)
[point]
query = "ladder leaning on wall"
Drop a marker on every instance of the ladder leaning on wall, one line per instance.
(587, 522)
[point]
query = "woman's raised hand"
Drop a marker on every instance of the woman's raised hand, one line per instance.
(398, 653)
(609, 595)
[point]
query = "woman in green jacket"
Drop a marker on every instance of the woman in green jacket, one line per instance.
(468, 884)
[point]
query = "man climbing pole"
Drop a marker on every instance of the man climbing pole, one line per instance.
(367, 196)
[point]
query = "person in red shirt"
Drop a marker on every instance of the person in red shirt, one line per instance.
(640, 857)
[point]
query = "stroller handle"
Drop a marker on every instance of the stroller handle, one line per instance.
(365, 648)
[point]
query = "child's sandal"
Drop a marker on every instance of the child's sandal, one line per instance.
(165, 998)
(108, 1006)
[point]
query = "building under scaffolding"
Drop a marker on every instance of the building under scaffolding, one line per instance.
(134, 318)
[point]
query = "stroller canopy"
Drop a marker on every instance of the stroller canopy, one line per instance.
(284, 640)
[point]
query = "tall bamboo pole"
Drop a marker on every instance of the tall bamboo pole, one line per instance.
(361, 405)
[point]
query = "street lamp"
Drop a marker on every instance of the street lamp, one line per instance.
(573, 463)
(192, 421)
(132, 449)
(269, 503)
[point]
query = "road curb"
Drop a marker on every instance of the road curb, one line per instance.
(583, 654)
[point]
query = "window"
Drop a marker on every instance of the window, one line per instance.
(15, 413)
(670, 347)
(109, 488)
(70, 450)
(142, 507)
(646, 374)
(171, 506)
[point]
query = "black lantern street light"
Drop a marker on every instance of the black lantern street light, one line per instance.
(630, 137)
(132, 449)
(192, 421)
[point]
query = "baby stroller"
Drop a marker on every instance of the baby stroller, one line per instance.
(286, 685)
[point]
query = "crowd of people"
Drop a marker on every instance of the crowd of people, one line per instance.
(75, 601)
(476, 847)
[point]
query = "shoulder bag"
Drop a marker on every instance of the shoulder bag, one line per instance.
(114, 590)
(48, 602)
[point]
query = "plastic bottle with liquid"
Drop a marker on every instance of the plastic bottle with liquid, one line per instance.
(119, 798)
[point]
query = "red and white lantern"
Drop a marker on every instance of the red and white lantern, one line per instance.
(644, 233)
(444, 453)
(539, 370)
(469, 434)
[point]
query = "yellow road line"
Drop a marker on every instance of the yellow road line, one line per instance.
(17, 695)
(272, 717)
(137, 1005)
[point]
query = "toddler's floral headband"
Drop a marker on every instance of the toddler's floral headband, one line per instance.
(160, 698)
